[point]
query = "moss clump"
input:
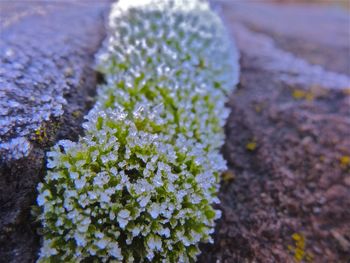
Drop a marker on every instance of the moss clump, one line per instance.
(140, 184)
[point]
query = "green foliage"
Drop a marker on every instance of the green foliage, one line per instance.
(140, 184)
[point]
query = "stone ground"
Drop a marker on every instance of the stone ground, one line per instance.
(286, 197)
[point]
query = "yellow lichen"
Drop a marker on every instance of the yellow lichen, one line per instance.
(251, 146)
(344, 161)
(46, 131)
(297, 237)
(41, 134)
(300, 94)
(299, 249)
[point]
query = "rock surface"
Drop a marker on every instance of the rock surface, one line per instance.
(46, 83)
(286, 197)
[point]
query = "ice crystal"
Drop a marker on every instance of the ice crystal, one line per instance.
(15, 149)
(140, 184)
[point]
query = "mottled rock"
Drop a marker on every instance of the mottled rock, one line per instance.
(46, 83)
(289, 200)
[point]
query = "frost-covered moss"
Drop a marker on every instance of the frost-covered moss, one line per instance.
(140, 184)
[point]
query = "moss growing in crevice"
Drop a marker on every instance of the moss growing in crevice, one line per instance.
(140, 184)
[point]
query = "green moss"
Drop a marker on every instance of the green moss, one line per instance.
(140, 184)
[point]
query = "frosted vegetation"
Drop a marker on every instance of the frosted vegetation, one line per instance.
(140, 184)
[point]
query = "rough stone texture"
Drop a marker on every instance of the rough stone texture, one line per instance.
(288, 137)
(46, 83)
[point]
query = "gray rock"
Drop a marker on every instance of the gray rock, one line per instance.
(287, 138)
(46, 84)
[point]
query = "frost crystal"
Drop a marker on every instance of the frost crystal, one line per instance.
(140, 184)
